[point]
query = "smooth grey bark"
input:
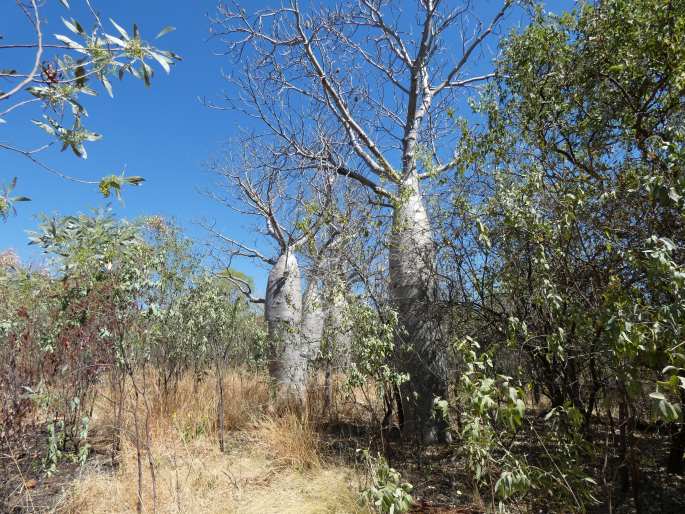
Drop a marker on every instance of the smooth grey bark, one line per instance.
(322, 315)
(413, 291)
(337, 327)
(312, 320)
(337, 330)
(283, 314)
(265, 193)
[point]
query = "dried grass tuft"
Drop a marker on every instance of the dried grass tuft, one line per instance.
(291, 441)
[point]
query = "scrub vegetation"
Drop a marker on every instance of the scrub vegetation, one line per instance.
(474, 238)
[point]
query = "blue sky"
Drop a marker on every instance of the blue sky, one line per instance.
(163, 133)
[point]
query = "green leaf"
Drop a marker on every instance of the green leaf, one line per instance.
(70, 43)
(147, 73)
(107, 85)
(165, 31)
(114, 183)
(115, 40)
(135, 180)
(121, 30)
(73, 26)
(47, 128)
(163, 61)
(79, 150)
(668, 411)
(109, 183)
(136, 72)
(91, 136)
(673, 195)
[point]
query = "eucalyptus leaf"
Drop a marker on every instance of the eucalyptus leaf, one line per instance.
(165, 31)
(121, 30)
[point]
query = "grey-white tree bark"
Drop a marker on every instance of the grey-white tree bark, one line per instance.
(283, 313)
(337, 326)
(312, 319)
(413, 290)
(338, 330)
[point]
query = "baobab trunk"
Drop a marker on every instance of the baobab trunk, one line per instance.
(283, 314)
(338, 329)
(312, 325)
(312, 321)
(413, 291)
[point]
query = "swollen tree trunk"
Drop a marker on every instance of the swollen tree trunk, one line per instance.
(338, 330)
(413, 291)
(312, 321)
(283, 314)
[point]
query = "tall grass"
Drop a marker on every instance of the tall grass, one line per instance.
(271, 460)
(291, 441)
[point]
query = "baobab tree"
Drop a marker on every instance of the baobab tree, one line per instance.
(365, 89)
(315, 306)
(290, 218)
(328, 284)
(324, 317)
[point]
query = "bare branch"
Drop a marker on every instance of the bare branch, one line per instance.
(242, 285)
(36, 61)
(29, 154)
(343, 112)
(470, 49)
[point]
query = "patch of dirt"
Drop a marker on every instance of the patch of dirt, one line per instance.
(25, 487)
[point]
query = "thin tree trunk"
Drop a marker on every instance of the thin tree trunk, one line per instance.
(220, 378)
(338, 331)
(148, 443)
(413, 290)
(118, 384)
(328, 389)
(139, 456)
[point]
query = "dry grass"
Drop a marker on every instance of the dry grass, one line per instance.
(193, 406)
(271, 461)
(326, 492)
(359, 404)
(197, 478)
(190, 408)
(291, 441)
